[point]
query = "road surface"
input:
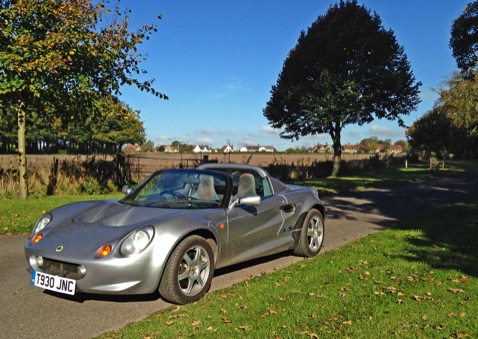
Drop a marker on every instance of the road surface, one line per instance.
(29, 312)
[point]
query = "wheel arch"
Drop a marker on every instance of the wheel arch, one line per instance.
(300, 221)
(204, 233)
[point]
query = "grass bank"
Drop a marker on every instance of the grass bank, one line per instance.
(417, 279)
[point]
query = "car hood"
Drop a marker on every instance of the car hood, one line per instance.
(81, 228)
(112, 213)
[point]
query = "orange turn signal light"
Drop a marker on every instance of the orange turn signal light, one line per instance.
(37, 238)
(104, 251)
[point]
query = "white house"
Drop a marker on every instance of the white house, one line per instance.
(202, 149)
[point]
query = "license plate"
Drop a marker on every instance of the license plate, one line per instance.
(53, 283)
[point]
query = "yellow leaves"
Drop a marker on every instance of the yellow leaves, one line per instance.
(310, 334)
(268, 313)
(455, 290)
(462, 279)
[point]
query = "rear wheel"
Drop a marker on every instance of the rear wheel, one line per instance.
(311, 234)
(188, 272)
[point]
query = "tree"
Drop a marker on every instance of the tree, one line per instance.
(464, 40)
(65, 53)
(345, 70)
(435, 132)
(459, 98)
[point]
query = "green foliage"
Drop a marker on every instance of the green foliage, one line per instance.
(346, 69)
(66, 61)
(463, 40)
(452, 125)
(435, 132)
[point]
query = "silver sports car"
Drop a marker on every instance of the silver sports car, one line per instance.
(172, 231)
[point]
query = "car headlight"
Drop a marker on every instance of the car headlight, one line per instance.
(41, 223)
(137, 241)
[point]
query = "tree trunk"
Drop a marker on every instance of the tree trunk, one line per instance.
(337, 161)
(337, 147)
(22, 155)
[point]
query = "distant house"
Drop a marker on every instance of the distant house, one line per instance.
(258, 148)
(202, 149)
(351, 149)
(228, 149)
(395, 149)
(171, 149)
(322, 148)
(133, 148)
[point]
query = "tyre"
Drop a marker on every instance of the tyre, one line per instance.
(188, 272)
(311, 235)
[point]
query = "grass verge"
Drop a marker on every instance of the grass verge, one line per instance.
(416, 279)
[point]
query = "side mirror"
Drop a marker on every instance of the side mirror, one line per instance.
(126, 189)
(246, 201)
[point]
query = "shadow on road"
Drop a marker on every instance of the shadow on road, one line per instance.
(449, 241)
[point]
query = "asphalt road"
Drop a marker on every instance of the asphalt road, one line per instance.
(29, 312)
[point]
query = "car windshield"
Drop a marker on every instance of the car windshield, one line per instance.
(180, 189)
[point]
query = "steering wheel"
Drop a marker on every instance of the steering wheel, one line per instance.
(169, 195)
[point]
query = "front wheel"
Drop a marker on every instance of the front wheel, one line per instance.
(311, 234)
(188, 272)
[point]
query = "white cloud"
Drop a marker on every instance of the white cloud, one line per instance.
(383, 131)
(206, 131)
(269, 130)
(204, 141)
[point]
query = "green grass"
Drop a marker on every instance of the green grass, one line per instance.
(385, 177)
(417, 279)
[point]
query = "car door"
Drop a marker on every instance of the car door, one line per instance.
(256, 230)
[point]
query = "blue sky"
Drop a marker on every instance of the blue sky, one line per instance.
(217, 61)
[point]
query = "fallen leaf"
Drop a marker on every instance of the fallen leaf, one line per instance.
(455, 290)
(211, 329)
(223, 310)
(462, 334)
(226, 320)
(310, 334)
(244, 328)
